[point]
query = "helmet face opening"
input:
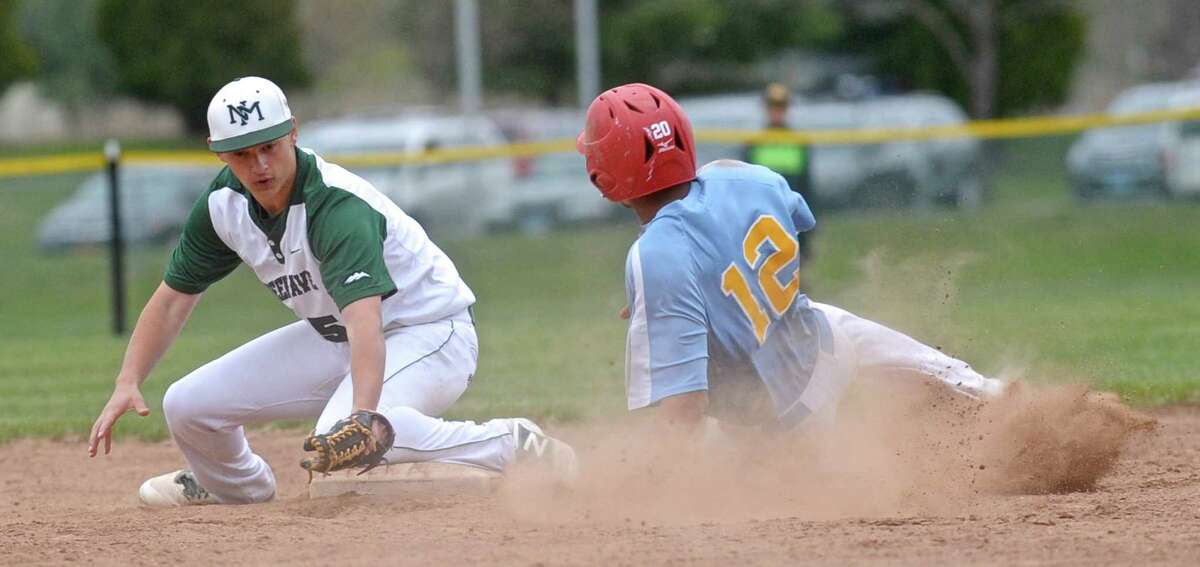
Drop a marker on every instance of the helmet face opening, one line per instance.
(610, 139)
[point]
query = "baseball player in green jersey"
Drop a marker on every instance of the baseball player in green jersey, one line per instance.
(384, 317)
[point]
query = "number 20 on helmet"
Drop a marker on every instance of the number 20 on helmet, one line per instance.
(636, 140)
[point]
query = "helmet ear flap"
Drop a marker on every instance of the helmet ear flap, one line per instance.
(602, 181)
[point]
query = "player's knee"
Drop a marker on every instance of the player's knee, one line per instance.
(179, 408)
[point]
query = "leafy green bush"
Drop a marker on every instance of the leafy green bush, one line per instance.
(180, 53)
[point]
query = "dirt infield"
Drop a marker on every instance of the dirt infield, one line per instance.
(57, 507)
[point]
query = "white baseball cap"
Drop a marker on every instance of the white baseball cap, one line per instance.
(247, 112)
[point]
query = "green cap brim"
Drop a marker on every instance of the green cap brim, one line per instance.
(252, 139)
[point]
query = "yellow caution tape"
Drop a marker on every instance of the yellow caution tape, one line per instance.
(524, 149)
(176, 157)
(50, 164)
(1008, 128)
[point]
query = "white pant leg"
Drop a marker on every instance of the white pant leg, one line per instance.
(835, 368)
(877, 347)
(428, 368)
(288, 373)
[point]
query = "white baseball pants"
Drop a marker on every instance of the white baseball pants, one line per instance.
(294, 373)
(862, 346)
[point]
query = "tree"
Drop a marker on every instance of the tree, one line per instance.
(697, 45)
(363, 57)
(682, 45)
(17, 61)
(530, 55)
(180, 53)
(997, 57)
(75, 66)
(527, 45)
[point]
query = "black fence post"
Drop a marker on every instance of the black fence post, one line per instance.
(112, 153)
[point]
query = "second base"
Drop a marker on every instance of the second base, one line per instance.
(406, 478)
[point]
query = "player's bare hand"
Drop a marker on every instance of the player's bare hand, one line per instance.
(624, 313)
(124, 399)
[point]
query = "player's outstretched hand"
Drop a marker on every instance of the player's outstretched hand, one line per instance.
(124, 399)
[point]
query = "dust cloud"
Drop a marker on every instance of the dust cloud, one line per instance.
(898, 447)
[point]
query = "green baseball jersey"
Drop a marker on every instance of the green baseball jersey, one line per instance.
(338, 241)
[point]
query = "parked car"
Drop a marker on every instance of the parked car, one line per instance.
(907, 172)
(552, 190)
(155, 201)
(1161, 159)
(461, 198)
(739, 111)
(898, 172)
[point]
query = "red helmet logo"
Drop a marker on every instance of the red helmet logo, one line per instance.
(636, 140)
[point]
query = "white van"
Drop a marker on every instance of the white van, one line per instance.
(552, 190)
(896, 172)
(1183, 147)
(461, 198)
(1143, 160)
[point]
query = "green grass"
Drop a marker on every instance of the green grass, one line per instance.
(1033, 282)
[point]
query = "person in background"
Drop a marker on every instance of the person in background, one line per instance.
(788, 159)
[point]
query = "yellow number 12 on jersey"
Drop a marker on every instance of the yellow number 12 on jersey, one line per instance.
(780, 296)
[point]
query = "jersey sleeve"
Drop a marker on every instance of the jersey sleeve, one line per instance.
(667, 346)
(347, 237)
(802, 216)
(200, 258)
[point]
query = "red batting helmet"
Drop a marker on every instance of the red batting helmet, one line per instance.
(636, 140)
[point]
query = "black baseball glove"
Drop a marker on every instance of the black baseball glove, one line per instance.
(350, 444)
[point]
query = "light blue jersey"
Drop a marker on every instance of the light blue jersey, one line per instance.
(713, 289)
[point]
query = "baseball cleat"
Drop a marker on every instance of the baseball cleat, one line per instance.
(982, 389)
(989, 389)
(177, 488)
(997, 388)
(535, 448)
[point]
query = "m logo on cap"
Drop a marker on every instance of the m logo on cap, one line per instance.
(242, 112)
